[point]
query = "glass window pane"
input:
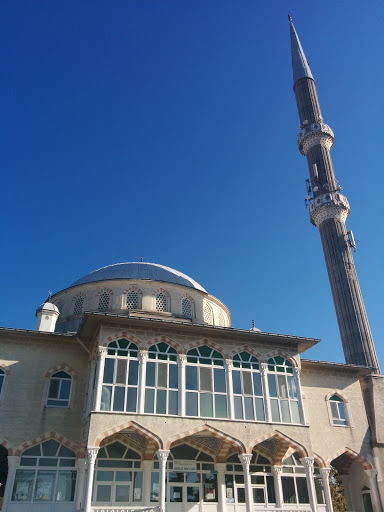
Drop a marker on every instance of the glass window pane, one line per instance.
(150, 374)
(104, 476)
(22, 488)
(138, 486)
(221, 406)
(121, 371)
(258, 495)
(191, 377)
(122, 493)
(236, 382)
(282, 384)
(154, 494)
(122, 476)
(271, 489)
(238, 408)
(206, 405)
(367, 502)
(162, 375)
(103, 493)
(275, 410)
(205, 379)
(248, 408)
(109, 365)
(65, 389)
(66, 484)
(175, 494)
(289, 493)
(149, 405)
(219, 376)
(193, 494)
(285, 416)
(292, 386)
(240, 495)
(319, 488)
(192, 477)
(247, 383)
(260, 415)
(119, 399)
(173, 376)
(342, 410)
(257, 387)
(105, 404)
(161, 402)
(53, 388)
(272, 385)
(48, 461)
(131, 400)
(295, 412)
(302, 490)
(44, 486)
(334, 410)
(133, 372)
(191, 404)
(173, 407)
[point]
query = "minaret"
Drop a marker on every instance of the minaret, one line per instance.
(328, 211)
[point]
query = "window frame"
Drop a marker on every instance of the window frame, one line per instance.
(167, 302)
(346, 422)
(246, 363)
(295, 471)
(138, 294)
(102, 294)
(58, 399)
(286, 369)
(191, 306)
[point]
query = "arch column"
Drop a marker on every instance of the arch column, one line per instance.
(81, 467)
(372, 475)
(228, 374)
(142, 373)
(299, 394)
(101, 353)
(308, 463)
(182, 363)
(162, 456)
(277, 471)
(220, 466)
(91, 459)
(13, 464)
(264, 378)
(324, 472)
(245, 459)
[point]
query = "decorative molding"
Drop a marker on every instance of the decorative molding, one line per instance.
(91, 455)
(331, 205)
(313, 135)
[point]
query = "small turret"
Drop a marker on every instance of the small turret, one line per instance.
(47, 315)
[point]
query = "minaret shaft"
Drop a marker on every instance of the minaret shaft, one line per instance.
(328, 211)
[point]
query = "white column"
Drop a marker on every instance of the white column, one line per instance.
(327, 491)
(277, 470)
(264, 378)
(162, 456)
(13, 464)
(299, 395)
(245, 459)
(101, 353)
(91, 385)
(81, 466)
(142, 373)
(308, 462)
(220, 466)
(91, 459)
(228, 373)
(147, 466)
(182, 363)
(376, 502)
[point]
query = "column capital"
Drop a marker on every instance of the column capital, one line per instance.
(263, 368)
(277, 470)
(13, 461)
(183, 359)
(163, 455)
(102, 352)
(245, 459)
(325, 472)
(143, 355)
(308, 463)
(91, 455)
(228, 364)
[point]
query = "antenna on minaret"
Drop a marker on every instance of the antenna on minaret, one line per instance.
(351, 240)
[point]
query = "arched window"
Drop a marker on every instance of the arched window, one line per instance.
(59, 391)
(295, 488)
(118, 477)
(208, 314)
(282, 391)
(263, 487)
(46, 474)
(133, 300)
(186, 308)
(247, 388)
(2, 378)
(121, 366)
(206, 394)
(104, 301)
(338, 411)
(162, 380)
(162, 302)
(367, 500)
(78, 307)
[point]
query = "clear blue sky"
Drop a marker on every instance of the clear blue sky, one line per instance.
(167, 130)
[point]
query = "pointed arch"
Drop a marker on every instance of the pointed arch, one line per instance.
(246, 348)
(346, 457)
(319, 459)
(275, 445)
(125, 335)
(45, 437)
(61, 367)
(192, 442)
(129, 443)
(153, 441)
(7, 445)
(282, 353)
(338, 393)
(209, 343)
(164, 339)
(225, 438)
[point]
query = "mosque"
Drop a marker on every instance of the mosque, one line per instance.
(134, 392)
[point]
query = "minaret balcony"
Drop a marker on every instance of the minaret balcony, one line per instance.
(331, 205)
(314, 134)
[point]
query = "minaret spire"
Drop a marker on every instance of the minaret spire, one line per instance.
(328, 211)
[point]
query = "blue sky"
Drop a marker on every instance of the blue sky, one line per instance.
(167, 130)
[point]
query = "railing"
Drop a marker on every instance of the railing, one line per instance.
(127, 509)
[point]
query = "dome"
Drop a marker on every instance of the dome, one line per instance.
(139, 270)
(47, 306)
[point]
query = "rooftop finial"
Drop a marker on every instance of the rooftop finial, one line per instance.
(141, 259)
(253, 322)
(290, 18)
(300, 64)
(49, 296)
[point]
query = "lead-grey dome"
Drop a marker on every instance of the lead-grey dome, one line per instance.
(139, 270)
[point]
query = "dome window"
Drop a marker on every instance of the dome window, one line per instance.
(161, 302)
(186, 308)
(133, 300)
(104, 301)
(78, 308)
(207, 314)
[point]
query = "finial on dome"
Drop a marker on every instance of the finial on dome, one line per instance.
(254, 329)
(300, 64)
(141, 259)
(49, 296)
(253, 323)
